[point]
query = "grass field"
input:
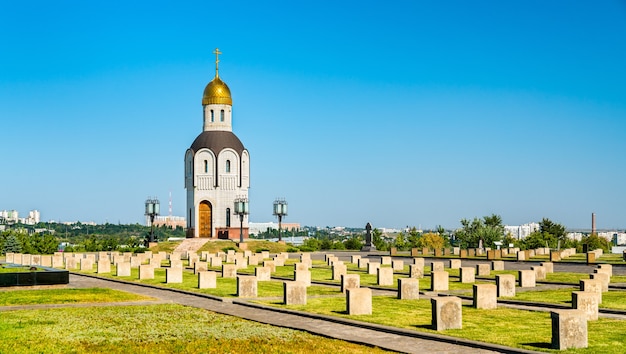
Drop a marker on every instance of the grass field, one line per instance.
(153, 329)
(65, 296)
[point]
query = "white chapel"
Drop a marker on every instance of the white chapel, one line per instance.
(217, 168)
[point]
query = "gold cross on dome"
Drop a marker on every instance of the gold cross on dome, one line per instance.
(217, 60)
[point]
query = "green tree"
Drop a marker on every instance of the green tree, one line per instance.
(414, 238)
(557, 230)
(46, 244)
(11, 244)
(378, 241)
(353, 243)
(400, 242)
(480, 233)
(595, 242)
(550, 234)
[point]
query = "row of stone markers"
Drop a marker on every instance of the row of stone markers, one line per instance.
(491, 254)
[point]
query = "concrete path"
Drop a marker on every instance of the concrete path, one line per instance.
(351, 333)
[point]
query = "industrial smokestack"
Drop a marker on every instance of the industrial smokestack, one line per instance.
(593, 223)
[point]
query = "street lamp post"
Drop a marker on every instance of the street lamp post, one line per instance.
(280, 210)
(241, 209)
(152, 209)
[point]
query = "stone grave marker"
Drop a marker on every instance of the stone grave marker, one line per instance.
(263, 273)
(447, 313)
(246, 286)
(416, 271)
(439, 281)
(506, 285)
(229, 271)
(294, 293)
(146, 271)
(527, 278)
(467, 274)
(303, 276)
(385, 276)
(408, 289)
(483, 269)
(485, 296)
(569, 329)
(339, 270)
(436, 266)
(123, 269)
(455, 263)
(173, 275)
(372, 268)
(350, 281)
(593, 286)
(397, 265)
(587, 302)
(359, 301)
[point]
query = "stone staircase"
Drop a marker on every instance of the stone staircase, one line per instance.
(191, 245)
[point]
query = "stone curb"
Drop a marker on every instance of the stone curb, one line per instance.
(392, 330)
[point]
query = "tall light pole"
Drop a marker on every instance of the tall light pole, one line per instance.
(241, 209)
(153, 209)
(280, 210)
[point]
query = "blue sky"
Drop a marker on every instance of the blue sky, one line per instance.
(405, 113)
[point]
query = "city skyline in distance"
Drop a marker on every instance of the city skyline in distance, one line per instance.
(416, 114)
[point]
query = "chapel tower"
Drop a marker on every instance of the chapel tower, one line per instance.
(217, 167)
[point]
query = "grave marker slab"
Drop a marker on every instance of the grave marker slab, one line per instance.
(207, 279)
(246, 286)
(303, 276)
(359, 301)
(416, 271)
(294, 293)
(506, 285)
(385, 276)
(587, 302)
(447, 313)
(350, 281)
(467, 274)
(569, 329)
(439, 281)
(485, 296)
(527, 278)
(408, 289)
(229, 271)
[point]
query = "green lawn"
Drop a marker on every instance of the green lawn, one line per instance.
(21, 269)
(610, 300)
(65, 296)
(153, 329)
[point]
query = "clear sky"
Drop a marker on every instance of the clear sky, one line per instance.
(395, 113)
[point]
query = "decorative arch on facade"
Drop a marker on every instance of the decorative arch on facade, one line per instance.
(244, 176)
(205, 169)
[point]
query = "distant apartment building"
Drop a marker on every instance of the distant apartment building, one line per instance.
(618, 238)
(520, 232)
(168, 220)
(12, 216)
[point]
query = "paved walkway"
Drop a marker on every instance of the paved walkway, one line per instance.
(351, 333)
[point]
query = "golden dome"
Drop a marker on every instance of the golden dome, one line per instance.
(217, 92)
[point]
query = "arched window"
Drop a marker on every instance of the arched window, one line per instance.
(212, 116)
(206, 166)
(227, 166)
(222, 115)
(227, 217)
